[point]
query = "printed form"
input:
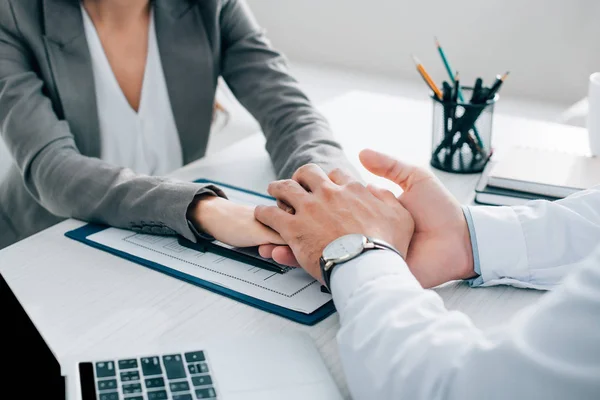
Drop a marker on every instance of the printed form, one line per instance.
(294, 289)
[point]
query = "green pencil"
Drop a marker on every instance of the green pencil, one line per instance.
(447, 65)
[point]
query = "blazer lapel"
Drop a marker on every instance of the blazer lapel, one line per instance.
(71, 66)
(191, 77)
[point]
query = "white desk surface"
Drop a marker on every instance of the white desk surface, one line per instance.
(83, 300)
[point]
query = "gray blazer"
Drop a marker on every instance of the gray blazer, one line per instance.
(49, 118)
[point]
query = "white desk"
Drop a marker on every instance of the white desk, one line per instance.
(83, 300)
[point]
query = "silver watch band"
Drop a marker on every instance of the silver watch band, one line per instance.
(380, 244)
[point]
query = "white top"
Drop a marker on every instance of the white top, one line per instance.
(398, 341)
(145, 141)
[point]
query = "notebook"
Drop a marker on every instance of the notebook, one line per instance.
(544, 172)
(494, 196)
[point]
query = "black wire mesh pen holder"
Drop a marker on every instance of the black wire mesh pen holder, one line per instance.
(462, 134)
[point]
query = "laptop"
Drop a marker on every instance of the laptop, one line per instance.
(254, 367)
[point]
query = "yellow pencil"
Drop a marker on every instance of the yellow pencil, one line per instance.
(427, 78)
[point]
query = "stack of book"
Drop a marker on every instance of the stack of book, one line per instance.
(524, 174)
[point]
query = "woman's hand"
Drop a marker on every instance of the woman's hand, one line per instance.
(231, 223)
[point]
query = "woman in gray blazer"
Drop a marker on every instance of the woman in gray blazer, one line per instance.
(59, 121)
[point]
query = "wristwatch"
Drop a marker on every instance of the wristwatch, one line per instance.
(347, 248)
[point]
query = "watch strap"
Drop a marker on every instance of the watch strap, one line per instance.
(326, 273)
(383, 245)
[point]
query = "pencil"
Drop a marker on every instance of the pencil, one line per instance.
(427, 78)
(499, 81)
(456, 87)
(447, 65)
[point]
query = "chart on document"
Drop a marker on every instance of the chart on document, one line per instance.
(294, 289)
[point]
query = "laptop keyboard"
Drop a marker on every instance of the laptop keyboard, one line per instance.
(171, 376)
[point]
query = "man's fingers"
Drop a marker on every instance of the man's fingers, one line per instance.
(266, 250)
(280, 254)
(383, 194)
(387, 167)
(285, 207)
(340, 177)
(311, 177)
(285, 256)
(287, 191)
(272, 217)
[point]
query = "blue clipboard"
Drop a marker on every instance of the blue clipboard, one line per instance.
(81, 235)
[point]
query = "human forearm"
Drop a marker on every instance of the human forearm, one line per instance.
(71, 185)
(398, 341)
(534, 245)
(389, 327)
(297, 134)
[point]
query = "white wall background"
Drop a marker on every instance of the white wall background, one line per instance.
(550, 46)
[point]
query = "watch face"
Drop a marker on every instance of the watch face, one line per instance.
(344, 248)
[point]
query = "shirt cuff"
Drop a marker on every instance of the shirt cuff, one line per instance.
(478, 280)
(499, 247)
(348, 277)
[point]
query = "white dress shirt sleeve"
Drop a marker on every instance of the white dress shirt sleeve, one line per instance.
(398, 341)
(534, 245)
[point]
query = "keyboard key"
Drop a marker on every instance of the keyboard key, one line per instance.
(201, 380)
(105, 369)
(107, 384)
(109, 396)
(130, 376)
(155, 383)
(195, 356)
(151, 366)
(174, 366)
(202, 368)
(132, 388)
(135, 398)
(182, 386)
(157, 395)
(192, 369)
(207, 393)
(185, 396)
(128, 364)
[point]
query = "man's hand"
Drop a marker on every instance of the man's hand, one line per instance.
(326, 208)
(440, 250)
